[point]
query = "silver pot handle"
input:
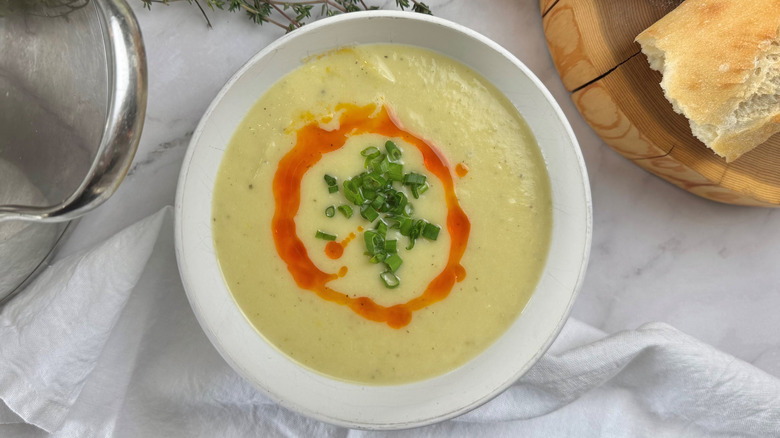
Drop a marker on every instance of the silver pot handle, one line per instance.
(122, 131)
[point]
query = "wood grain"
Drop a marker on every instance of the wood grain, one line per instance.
(613, 87)
(545, 5)
(588, 38)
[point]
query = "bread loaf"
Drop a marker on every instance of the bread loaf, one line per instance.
(720, 61)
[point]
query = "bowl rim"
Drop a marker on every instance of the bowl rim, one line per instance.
(580, 168)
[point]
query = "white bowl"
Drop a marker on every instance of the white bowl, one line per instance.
(427, 401)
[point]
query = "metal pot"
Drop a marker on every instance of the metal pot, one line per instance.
(72, 105)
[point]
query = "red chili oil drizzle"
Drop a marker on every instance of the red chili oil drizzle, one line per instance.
(335, 250)
(313, 142)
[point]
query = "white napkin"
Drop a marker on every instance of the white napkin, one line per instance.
(104, 343)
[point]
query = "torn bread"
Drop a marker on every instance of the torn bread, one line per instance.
(720, 61)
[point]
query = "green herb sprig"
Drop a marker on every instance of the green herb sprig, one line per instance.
(290, 15)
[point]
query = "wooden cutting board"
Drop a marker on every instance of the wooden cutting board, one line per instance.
(611, 84)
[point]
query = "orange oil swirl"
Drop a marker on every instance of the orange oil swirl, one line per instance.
(312, 143)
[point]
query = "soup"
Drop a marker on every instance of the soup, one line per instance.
(397, 135)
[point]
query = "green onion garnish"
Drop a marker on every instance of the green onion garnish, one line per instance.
(381, 228)
(395, 172)
(325, 236)
(415, 193)
(375, 193)
(370, 152)
(384, 166)
(393, 152)
(390, 280)
(399, 203)
(346, 210)
(393, 262)
(415, 232)
(412, 178)
(368, 194)
(368, 212)
(419, 225)
(379, 201)
(392, 222)
(373, 241)
(406, 226)
(378, 258)
(431, 231)
(352, 193)
(374, 181)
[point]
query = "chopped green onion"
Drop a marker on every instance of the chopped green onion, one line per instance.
(384, 166)
(412, 178)
(376, 165)
(346, 210)
(431, 231)
(406, 226)
(414, 233)
(389, 279)
(393, 262)
(378, 258)
(375, 244)
(370, 152)
(368, 212)
(395, 172)
(371, 241)
(374, 181)
(367, 194)
(325, 236)
(392, 222)
(379, 201)
(352, 193)
(381, 228)
(398, 203)
(419, 224)
(419, 189)
(393, 152)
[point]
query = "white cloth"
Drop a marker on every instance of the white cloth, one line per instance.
(104, 343)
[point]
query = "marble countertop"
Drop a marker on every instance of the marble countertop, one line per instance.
(659, 253)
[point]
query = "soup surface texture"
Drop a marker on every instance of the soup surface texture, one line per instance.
(323, 302)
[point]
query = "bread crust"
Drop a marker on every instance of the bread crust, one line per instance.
(710, 53)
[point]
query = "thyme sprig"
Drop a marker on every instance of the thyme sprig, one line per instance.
(290, 15)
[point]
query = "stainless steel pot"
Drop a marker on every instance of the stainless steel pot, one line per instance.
(72, 104)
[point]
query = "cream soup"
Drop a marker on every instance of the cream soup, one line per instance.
(323, 302)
